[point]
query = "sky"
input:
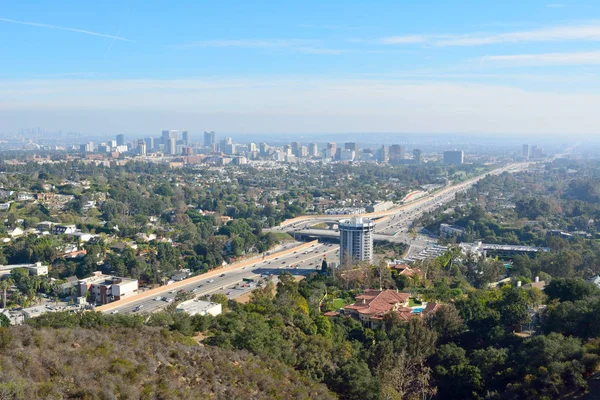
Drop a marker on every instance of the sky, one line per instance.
(470, 67)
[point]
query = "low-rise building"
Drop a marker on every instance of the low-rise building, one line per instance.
(451, 230)
(36, 269)
(480, 249)
(104, 289)
(16, 232)
(371, 306)
(63, 229)
(406, 270)
(200, 307)
(25, 197)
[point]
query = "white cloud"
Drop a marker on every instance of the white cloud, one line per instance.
(544, 59)
(552, 34)
(62, 28)
(300, 104)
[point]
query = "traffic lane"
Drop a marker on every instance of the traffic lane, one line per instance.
(152, 304)
(228, 278)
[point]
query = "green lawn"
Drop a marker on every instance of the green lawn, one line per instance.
(412, 302)
(338, 303)
(282, 236)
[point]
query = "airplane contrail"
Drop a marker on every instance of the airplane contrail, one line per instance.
(62, 28)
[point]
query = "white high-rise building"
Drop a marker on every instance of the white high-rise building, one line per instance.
(356, 239)
(172, 149)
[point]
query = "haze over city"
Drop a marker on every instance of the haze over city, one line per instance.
(468, 67)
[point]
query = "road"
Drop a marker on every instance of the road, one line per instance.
(391, 225)
(307, 220)
(306, 260)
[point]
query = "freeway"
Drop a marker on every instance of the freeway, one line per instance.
(401, 214)
(393, 225)
(305, 221)
(298, 262)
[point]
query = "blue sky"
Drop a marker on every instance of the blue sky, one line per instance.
(488, 67)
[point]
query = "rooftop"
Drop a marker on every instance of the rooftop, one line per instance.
(377, 301)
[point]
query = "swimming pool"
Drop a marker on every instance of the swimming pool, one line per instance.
(417, 310)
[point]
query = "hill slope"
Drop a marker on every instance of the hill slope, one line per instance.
(137, 363)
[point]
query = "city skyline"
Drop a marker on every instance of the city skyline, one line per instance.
(443, 68)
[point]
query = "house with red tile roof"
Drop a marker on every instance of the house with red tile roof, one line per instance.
(372, 305)
(407, 270)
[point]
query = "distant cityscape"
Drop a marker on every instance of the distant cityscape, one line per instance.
(176, 146)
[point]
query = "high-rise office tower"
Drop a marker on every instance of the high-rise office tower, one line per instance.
(121, 140)
(454, 157)
(172, 148)
(384, 154)
(351, 146)
(526, 153)
(264, 149)
(396, 154)
(295, 148)
(252, 147)
(165, 138)
(303, 151)
(356, 239)
(185, 136)
(187, 151)
(149, 144)
(417, 156)
(313, 150)
(346, 155)
(331, 149)
(142, 148)
(209, 139)
(224, 145)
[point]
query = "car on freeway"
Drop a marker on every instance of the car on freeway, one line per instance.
(158, 298)
(210, 280)
(228, 293)
(115, 312)
(222, 275)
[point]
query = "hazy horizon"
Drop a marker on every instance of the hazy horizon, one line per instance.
(472, 68)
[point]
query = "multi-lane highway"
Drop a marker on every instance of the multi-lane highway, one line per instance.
(391, 225)
(230, 281)
(307, 220)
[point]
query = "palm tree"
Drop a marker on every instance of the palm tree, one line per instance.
(4, 286)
